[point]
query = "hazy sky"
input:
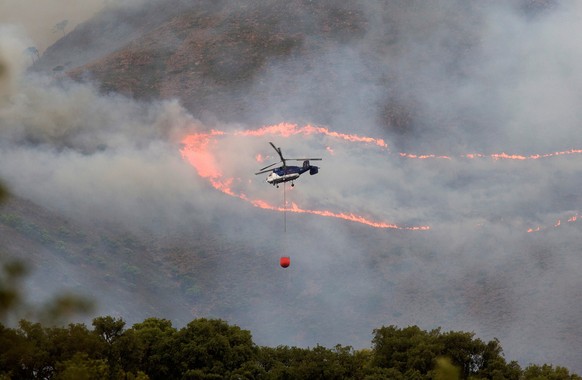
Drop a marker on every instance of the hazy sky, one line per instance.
(110, 158)
(38, 18)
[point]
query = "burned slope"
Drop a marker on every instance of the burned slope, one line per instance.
(119, 272)
(207, 56)
(260, 62)
(108, 31)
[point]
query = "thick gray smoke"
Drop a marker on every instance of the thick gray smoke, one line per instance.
(472, 79)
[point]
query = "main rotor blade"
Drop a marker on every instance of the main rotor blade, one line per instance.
(268, 166)
(263, 171)
(303, 159)
(278, 150)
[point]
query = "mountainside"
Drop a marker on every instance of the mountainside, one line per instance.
(96, 262)
(104, 203)
(207, 55)
(232, 58)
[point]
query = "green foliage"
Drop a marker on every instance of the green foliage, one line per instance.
(213, 349)
(81, 367)
(155, 340)
(405, 349)
(412, 349)
(548, 372)
(108, 328)
(315, 363)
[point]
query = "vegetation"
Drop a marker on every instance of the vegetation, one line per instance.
(213, 349)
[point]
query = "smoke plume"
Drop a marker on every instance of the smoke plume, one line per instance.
(478, 105)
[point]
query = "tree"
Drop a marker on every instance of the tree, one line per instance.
(60, 27)
(122, 347)
(341, 362)
(155, 338)
(463, 351)
(212, 347)
(35, 361)
(81, 367)
(108, 328)
(13, 347)
(548, 372)
(66, 342)
(406, 349)
(414, 352)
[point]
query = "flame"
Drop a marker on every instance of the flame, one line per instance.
(494, 156)
(505, 156)
(196, 149)
(557, 224)
(423, 156)
(289, 129)
(199, 156)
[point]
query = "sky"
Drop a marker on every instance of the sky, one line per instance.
(38, 19)
(490, 164)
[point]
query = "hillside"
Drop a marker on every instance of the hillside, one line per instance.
(210, 55)
(206, 56)
(105, 205)
(97, 262)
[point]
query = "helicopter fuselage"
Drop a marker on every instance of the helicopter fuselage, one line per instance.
(286, 173)
(290, 173)
(275, 178)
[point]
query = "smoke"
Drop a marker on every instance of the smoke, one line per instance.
(40, 20)
(454, 79)
(11, 61)
(104, 162)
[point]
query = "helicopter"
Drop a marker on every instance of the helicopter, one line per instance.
(286, 173)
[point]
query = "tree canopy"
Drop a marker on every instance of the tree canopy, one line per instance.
(214, 349)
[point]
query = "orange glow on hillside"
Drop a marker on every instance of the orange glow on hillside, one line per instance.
(289, 129)
(557, 224)
(423, 156)
(197, 150)
(518, 157)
